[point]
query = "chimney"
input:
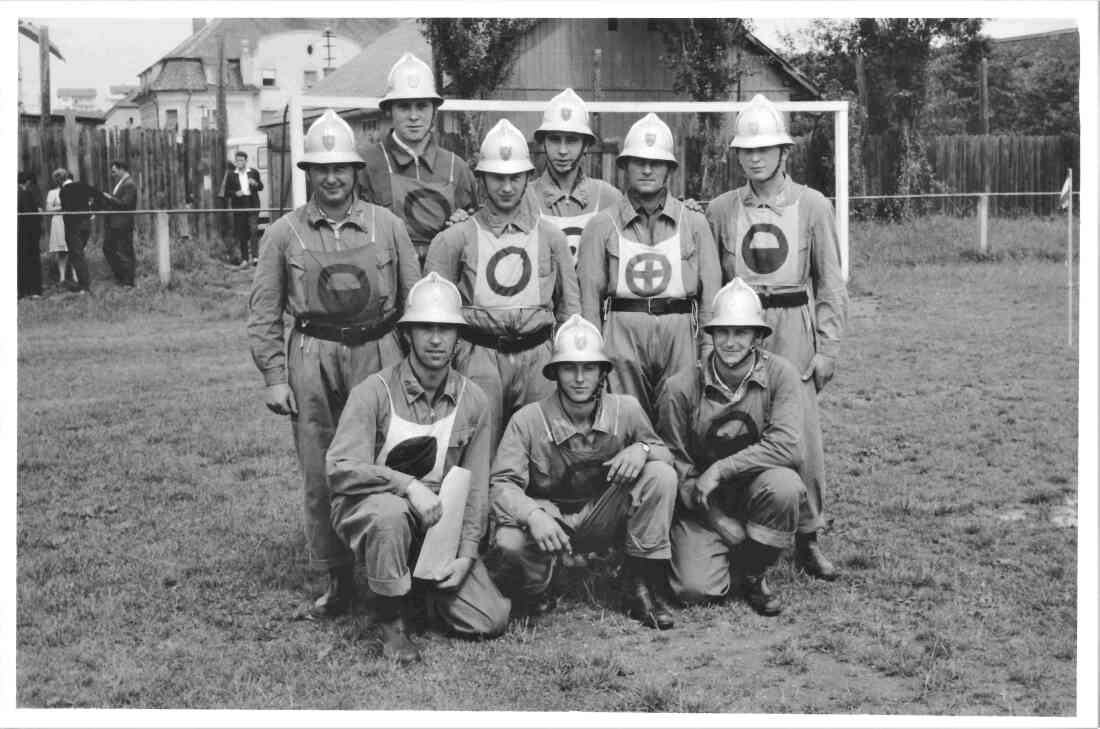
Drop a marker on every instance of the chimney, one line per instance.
(247, 70)
(197, 24)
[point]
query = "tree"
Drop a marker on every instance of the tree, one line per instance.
(705, 59)
(477, 55)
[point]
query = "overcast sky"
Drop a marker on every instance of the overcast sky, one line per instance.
(100, 52)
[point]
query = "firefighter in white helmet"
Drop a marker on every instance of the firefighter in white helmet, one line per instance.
(733, 423)
(582, 471)
(408, 172)
(780, 237)
(403, 429)
(341, 267)
(648, 270)
(568, 197)
(515, 274)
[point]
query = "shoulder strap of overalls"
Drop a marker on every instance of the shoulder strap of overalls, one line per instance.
(545, 422)
(451, 179)
(386, 156)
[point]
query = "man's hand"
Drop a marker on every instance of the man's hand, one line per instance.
(424, 502)
(693, 205)
(822, 367)
(280, 399)
(626, 465)
(704, 485)
(454, 574)
(456, 217)
(547, 533)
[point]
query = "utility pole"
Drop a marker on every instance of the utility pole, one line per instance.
(44, 110)
(983, 95)
(597, 94)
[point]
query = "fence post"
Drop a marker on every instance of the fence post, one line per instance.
(164, 249)
(983, 223)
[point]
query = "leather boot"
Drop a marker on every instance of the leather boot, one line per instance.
(752, 560)
(394, 631)
(809, 558)
(758, 594)
(643, 594)
(337, 598)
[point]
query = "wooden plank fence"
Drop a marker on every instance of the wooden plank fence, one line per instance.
(173, 171)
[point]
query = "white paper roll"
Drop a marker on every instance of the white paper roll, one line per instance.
(441, 540)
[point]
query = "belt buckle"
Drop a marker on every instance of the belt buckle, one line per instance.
(661, 308)
(346, 333)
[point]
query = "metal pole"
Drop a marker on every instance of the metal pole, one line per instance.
(983, 223)
(840, 142)
(1069, 263)
(164, 249)
(297, 139)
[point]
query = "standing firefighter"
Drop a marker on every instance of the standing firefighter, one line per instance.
(568, 197)
(407, 171)
(341, 268)
(780, 238)
(401, 432)
(733, 423)
(644, 266)
(583, 471)
(515, 275)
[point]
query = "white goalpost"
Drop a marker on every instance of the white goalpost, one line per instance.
(839, 109)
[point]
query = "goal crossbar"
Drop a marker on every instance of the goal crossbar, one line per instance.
(299, 102)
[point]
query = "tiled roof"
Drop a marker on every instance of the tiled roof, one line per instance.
(180, 74)
(206, 42)
(78, 93)
(365, 75)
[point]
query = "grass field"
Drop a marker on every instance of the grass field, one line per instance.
(160, 555)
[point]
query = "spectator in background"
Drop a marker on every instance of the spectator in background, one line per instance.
(29, 233)
(118, 243)
(240, 188)
(77, 197)
(58, 250)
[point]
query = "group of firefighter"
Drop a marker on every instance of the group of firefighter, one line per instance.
(620, 373)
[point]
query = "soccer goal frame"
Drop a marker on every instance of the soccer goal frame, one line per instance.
(839, 109)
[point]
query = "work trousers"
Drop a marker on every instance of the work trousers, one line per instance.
(766, 506)
(509, 380)
(637, 516)
(118, 249)
(76, 237)
(812, 469)
(244, 227)
(321, 375)
(384, 534)
(645, 350)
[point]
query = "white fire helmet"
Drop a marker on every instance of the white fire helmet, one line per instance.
(329, 141)
(567, 114)
(649, 138)
(737, 305)
(577, 340)
(504, 151)
(760, 125)
(433, 300)
(410, 78)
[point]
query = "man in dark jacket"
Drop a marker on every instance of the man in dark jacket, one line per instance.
(118, 242)
(240, 188)
(29, 234)
(79, 198)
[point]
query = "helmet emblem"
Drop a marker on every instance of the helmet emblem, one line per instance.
(650, 139)
(413, 80)
(566, 112)
(505, 152)
(328, 139)
(754, 126)
(580, 341)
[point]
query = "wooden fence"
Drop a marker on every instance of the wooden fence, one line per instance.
(173, 171)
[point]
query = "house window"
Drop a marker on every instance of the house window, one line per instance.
(612, 24)
(268, 78)
(171, 118)
(308, 79)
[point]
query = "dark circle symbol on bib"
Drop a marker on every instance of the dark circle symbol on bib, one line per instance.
(648, 274)
(722, 446)
(426, 210)
(764, 259)
(343, 289)
(573, 238)
(494, 262)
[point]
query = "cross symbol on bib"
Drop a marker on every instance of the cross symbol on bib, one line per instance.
(648, 274)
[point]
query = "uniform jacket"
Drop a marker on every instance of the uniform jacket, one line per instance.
(432, 166)
(352, 457)
(587, 193)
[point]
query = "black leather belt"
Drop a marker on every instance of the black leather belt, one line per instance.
(350, 334)
(507, 345)
(784, 301)
(656, 307)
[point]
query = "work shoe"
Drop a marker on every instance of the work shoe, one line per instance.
(535, 606)
(809, 558)
(759, 595)
(396, 644)
(647, 606)
(337, 598)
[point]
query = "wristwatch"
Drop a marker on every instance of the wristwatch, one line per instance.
(645, 447)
